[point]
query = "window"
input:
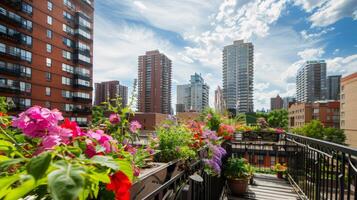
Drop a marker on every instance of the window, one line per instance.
(82, 71)
(84, 58)
(68, 29)
(48, 48)
(83, 82)
(27, 8)
(48, 76)
(49, 34)
(84, 22)
(67, 68)
(82, 46)
(81, 95)
(25, 39)
(69, 4)
(67, 16)
(68, 107)
(83, 33)
(49, 20)
(67, 42)
(49, 5)
(48, 91)
(48, 62)
(67, 94)
(25, 87)
(67, 55)
(66, 81)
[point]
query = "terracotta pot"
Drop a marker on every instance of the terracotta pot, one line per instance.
(238, 186)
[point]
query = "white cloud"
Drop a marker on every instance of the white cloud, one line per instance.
(311, 54)
(309, 5)
(140, 5)
(332, 11)
(316, 35)
(342, 65)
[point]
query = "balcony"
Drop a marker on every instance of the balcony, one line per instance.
(14, 21)
(86, 77)
(11, 37)
(85, 110)
(316, 169)
(16, 4)
(10, 71)
(82, 99)
(83, 87)
(10, 89)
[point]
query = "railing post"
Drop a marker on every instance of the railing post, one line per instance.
(342, 176)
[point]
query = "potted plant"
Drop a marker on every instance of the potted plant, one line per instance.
(280, 170)
(238, 173)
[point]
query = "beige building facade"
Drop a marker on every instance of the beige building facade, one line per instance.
(300, 114)
(349, 108)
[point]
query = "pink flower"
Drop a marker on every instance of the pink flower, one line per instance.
(134, 126)
(114, 118)
(104, 140)
(209, 116)
(136, 171)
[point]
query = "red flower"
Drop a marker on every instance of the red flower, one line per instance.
(76, 131)
(120, 184)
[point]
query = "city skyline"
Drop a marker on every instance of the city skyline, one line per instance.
(285, 34)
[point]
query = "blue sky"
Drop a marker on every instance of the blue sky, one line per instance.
(192, 33)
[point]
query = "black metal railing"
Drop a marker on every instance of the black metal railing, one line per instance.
(320, 169)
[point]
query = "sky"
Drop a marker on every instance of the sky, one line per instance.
(192, 33)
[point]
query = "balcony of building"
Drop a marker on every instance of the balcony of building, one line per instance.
(82, 110)
(82, 99)
(316, 170)
(15, 4)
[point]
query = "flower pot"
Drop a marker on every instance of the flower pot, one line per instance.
(279, 175)
(238, 186)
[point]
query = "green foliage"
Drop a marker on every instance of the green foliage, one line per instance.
(238, 168)
(213, 119)
(38, 165)
(278, 119)
(316, 129)
(174, 143)
(97, 115)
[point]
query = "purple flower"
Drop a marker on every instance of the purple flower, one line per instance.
(134, 126)
(114, 118)
(211, 135)
(213, 165)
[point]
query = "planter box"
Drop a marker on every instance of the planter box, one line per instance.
(257, 136)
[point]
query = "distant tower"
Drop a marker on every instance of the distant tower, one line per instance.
(154, 83)
(311, 82)
(219, 104)
(333, 87)
(110, 90)
(238, 76)
(276, 103)
(193, 96)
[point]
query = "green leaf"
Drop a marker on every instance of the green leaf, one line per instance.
(22, 190)
(8, 163)
(105, 161)
(66, 182)
(38, 165)
(3, 158)
(5, 145)
(126, 167)
(6, 182)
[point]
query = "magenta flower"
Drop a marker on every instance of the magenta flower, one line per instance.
(136, 171)
(114, 118)
(134, 126)
(103, 139)
(209, 116)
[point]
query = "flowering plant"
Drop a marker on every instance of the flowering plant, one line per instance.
(213, 163)
(39, 156)
(279, 167)
(238, 168)
(226, 131)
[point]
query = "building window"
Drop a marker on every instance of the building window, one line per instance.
(67, 68)
(84, 58)
(48, 62)
(49, 34)
(25, 87)
(27, 8)
(48, 76)
(66, 81)
(67, 94)
(48, 48)
(69, 4)
(68, 107)
(67, 16)
(67, 55)
(49, 20)
(49, 5)
(67, 42)
(48, 91)
(68, 29)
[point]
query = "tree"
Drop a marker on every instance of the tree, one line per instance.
(315, 129)
(278, 119)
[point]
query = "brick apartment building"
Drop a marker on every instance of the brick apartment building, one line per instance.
(328, 112)
(110, 90)
(154, 82)
(46, 50)
(276, 103)
(349, 108)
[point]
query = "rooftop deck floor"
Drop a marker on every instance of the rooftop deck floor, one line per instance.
(267, 187)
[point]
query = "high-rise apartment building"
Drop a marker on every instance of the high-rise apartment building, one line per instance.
(276, 103)
(238, 77)
(219, 104)
(154, 82)
(194, 96)
(311, 82)
(287, 101)
(333, 87)
(46, 50)
(349, 108)
(108, 90)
